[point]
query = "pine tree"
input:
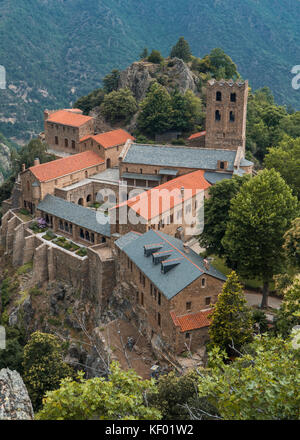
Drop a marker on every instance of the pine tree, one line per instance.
(156, 111)
(231, 317)
(181, 50)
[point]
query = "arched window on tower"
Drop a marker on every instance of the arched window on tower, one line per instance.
(233, 97)
(218, 96)
(231, 117)
(218, 115)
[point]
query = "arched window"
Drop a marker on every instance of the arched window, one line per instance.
(93, 238)
(218, 115)
(81, 233)
(231, 117)
(108, 163)
(61, 225)
(80, 201)
(218, 96)
(233, 97)
(66, 227)
(89, 198)
(87, 236)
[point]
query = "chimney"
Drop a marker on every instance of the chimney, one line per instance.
(206, 264)
(186, 248)
(36, 161)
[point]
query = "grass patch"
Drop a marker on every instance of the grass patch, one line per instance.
(25, 268)
(23, 296)
(82, 252)
(49, 235)
(219, 264)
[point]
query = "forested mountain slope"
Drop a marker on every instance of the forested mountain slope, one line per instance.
(55, 51)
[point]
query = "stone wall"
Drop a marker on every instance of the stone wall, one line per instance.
(93, 274)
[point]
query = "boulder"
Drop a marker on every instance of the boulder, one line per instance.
(15, 403)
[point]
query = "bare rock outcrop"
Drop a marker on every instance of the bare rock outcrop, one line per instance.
(173, 73)
(15, 403)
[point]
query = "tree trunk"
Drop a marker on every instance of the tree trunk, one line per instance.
(265, 294)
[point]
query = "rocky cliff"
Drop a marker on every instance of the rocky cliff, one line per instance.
(15, 403)
(173, 73)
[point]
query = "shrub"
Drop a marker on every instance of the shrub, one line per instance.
(82, 252)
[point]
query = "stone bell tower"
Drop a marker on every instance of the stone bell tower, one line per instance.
(226, 113)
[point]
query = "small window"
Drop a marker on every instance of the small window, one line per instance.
(231, 117)
(137, 297)
(218, 115)
(56, 140)
(73, 145)
(66, 143)
(218, 96)
(188, 306)
(187, 336)
(81, 233)
(142, 298)
(207, 301)
(203, 282)
(141, 170)
(233, 97)
(159, 298)
(151, 289)
(155, 292)
(222, 165)
(158, 319)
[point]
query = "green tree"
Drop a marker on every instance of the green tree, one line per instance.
(186, 111)
(231, 319)
(181, 50)
(12, 356)
(119, 106)
(156, 111)
(111, 81)
(43, 365)
(261, 385)
(292, 243)
(288, 316)
(121, 397)
(92, 100)
(222, 65)
(286, 160)
(216, 213)
(175, 393)
(144, 54)
(155, 57)
(259, 216)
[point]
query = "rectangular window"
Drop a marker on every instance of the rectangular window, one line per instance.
(73, 145)
(187, 336)
(151, 289)
(203, 282)
(143, 280)
(158, 319)
(56, 140)
(142, 298)
(188, 306)
(159, 298)
(155, 293)
(66, 143)
(207, 301)
(131, 266)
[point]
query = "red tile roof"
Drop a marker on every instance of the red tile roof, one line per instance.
(67, 165)
(192, 321)
(68, 117)
(110, 138)
(152, 203)
(196, 135)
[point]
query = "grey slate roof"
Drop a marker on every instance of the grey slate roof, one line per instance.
(187, 157)
(95, 221)
(213, 177)
(190, 267)
(245, 163)
(141, 176)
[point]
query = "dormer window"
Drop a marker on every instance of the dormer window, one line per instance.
(218, 96)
